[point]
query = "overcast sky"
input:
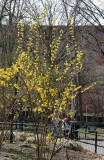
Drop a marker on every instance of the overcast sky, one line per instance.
(59, 8)
(58, 12)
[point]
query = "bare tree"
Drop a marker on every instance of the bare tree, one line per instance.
(87, 17)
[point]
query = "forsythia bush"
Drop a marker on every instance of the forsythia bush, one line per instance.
(42, 81)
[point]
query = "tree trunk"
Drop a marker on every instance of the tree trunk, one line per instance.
(13, 113)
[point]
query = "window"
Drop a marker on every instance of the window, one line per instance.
(97, 33)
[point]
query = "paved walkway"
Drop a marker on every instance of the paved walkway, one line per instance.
(91, 148)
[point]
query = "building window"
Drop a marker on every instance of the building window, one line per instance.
(97, 33)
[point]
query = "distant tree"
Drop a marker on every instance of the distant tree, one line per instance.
(87, 17)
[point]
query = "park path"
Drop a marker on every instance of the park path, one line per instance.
(100, 150)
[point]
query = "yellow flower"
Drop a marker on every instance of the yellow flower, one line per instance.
(63, 103)
(73, 96)
(3, 83)
(34, 146)
(52, 91)
(16, 86)
(77, 88)
(49, 136)
(60, 109)
(2, 106)
(39, 109)
(50, 115)
(69, 19)
(70, 114)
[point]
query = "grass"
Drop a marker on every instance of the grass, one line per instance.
(82, 133)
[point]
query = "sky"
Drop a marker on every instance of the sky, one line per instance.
(58, 11)
(59, 8)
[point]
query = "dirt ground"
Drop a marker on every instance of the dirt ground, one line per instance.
(22, 151)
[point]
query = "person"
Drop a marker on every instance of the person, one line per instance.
(74, 129)
(15, 118)
(55, 121)
(65, 127)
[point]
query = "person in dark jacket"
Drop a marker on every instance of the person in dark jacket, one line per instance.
(74, 127)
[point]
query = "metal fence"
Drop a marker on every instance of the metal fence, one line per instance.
(19, 126)
(94, 139)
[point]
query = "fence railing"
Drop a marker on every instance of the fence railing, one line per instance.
(95, 137)
(20, 126)
(74, 134)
